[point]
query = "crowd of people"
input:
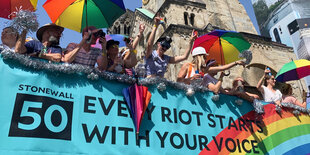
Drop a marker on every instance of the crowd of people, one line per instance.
(109, 58)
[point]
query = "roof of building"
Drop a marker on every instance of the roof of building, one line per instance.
(146, 12)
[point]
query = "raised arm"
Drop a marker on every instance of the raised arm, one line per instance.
(20, 44)
(138, 37)
(188, 50)
(261, 81)
(102, 60)
(150, 42)
(71, 53)
(225, 67)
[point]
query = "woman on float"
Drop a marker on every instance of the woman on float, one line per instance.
(129, 54)
(268, 91)
(196, 69)
(289, 98)
(214, 84)
(156, 61)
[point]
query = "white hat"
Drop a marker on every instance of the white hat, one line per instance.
(198, 51)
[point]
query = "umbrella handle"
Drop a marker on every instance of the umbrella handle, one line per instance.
(89, 38)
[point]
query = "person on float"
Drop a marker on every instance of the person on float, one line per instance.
(48, 45)
(9, 37)
(156, 61)
(213, 84)
(129, 55)
(268, 91)
(238, 90)
(83, 53)
(287, 96)
(195, 69)
(114, 60)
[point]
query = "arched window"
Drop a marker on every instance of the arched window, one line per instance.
(192, 19)
(186, 18)
(128, 30)
(125, 29)
(276, 35)
(115, 30)
(118, 29)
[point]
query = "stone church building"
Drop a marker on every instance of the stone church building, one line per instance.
(182, 16)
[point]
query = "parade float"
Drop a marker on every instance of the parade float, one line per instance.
(49, 108)
(56, 108)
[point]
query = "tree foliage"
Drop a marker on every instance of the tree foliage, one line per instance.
(261, 12)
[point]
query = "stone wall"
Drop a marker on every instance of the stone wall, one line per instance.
(229, 15)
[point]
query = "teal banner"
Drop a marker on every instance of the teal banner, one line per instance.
(46, 112)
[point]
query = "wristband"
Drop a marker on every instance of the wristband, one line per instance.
(40, 55)
(154, 25)
(134, 51)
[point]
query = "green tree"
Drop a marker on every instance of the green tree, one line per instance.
(261, 12)
(274, 6)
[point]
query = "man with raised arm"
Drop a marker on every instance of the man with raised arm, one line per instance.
(48, 45)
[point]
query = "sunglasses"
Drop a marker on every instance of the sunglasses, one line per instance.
(115, 46)
(165, 45)
(236, 82)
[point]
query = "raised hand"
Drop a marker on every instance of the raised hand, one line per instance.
(240, 63)
(141, 28)
(194, 35)
(157, 19)
(103, 42)
(86, 35)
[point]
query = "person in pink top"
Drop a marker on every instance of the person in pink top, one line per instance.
(288, 98)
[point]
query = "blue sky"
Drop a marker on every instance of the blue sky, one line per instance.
(72, 36)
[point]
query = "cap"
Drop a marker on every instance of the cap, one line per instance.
(198, 51)
(111, 43)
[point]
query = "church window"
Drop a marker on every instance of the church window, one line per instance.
(115, 30)
(118, 31)
(186, 18)
(128, 30)
(125, 29)
(192, 19)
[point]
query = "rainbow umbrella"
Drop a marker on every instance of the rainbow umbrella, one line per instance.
(8, 7)
(77, 14)
(137, 98)
(294, 70)
(223, 46)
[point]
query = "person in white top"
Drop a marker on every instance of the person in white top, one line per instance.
(9, 37)
(268, 91)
